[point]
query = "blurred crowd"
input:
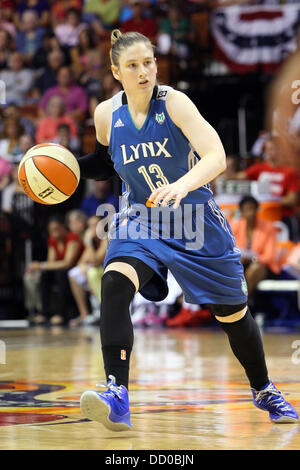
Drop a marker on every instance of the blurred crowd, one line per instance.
(54, 62)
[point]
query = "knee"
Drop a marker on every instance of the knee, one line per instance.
(117, 286)
(228, 313)
(256, 268)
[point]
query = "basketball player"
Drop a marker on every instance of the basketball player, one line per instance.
(153, 134)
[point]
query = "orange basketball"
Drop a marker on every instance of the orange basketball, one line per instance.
(49, 173)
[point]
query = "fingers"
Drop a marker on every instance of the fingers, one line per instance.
(157, 195)
(167, 195)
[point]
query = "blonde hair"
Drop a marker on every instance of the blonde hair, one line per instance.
(120, 41)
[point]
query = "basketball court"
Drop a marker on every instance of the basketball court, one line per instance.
(188, 391)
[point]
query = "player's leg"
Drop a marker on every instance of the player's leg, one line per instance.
(119, 284)
(246, 343)
(255, 273)
(120, 281)
(78, 284)
(63, 296)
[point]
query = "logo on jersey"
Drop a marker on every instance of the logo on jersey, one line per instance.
(160, 118)
(145, 149)
(119, 123)
(244, 286)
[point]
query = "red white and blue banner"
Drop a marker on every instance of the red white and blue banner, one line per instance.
(255, 38)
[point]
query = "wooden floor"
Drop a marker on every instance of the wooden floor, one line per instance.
(187, 392)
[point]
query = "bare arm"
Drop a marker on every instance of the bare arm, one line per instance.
(51, 256)
(240, 175)
(100, 253)
(204, 140)
(102, 120)
(68, 261)
(290, 199)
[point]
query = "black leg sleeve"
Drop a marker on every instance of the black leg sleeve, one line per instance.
(246, 343)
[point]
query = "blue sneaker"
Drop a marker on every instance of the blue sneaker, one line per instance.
(111, 408)
(270, 399)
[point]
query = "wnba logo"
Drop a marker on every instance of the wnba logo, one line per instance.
(2, 352)
(123, 354)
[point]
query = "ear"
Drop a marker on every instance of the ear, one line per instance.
(115, 72)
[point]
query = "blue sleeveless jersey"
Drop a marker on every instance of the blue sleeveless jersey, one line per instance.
(202, 257)
(157, 153)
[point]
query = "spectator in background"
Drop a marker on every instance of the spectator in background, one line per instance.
(102, 14)
(229, 3)
(6, 18)
(56, 114)
(30, 38)
(5, 172)
(139, 22)
(50, 43)
(65, 138)
(60, 9)
(93, 103)
(109, 86)
(12, 111)
(256, 238)
(68, 32)
(176, 34)
(6, 47)
(232, 166)
(279, 181)
(16, 203)
(257, 149)
(81, 53)
(75, 97)
(86, 276)
(64, 250)
(48, 78)
(10, 139)
(91, 78)
(18, 80)
(40, 7)
(76, 221)
(26, 142)
(100, 195)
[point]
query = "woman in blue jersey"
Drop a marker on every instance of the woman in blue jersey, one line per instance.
(166, 153)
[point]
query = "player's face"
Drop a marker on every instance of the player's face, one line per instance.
(137, 68)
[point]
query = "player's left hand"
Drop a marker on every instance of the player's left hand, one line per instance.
(168, 192)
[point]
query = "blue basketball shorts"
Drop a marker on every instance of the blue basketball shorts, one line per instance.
(209, 273)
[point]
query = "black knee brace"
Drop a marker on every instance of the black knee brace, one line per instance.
(220, 310)
(144, 272)
(117, 291)
(116, 329)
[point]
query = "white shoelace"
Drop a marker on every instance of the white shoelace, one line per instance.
(111, 386)
(260, 396)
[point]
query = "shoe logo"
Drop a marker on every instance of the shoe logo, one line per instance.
(123, 354)
(119, 123)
